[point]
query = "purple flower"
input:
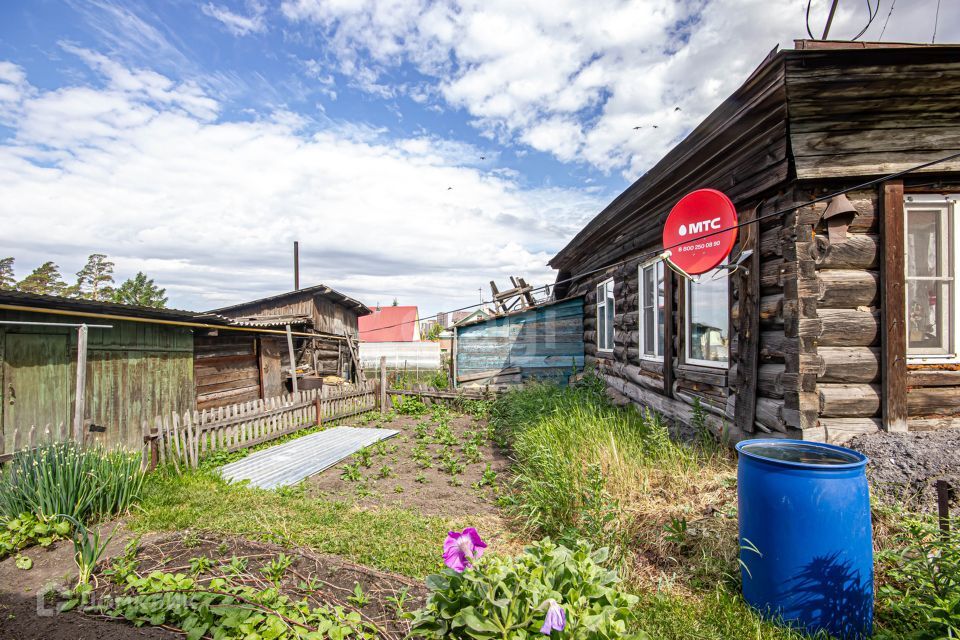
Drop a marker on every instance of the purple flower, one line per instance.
(461, 549)
(555, 620)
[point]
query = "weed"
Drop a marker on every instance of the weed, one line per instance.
(676, 530)
(398, 489)
(222, 549)
(421, 478)
(200, 564)
(190, 539)
(398, 600)
(488, 478)
(276, 568)
(351, 472)
(358, 598)
(236, 566)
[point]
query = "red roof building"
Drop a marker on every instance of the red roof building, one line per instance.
(390, 324)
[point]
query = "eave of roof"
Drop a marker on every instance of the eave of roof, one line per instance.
(320, 289)
(20, 298)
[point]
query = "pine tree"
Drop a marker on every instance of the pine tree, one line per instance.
(7, 281)
(396, 303)
(140, 291)
(44, 280)
(95, 279)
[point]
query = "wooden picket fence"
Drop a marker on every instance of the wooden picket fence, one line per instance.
(25, 439)
(184, 439)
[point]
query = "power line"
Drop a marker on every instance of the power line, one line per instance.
(889, 13)
(936, 20)
(656, 252)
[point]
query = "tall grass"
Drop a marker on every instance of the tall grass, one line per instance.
(584, 468)
(63, 478)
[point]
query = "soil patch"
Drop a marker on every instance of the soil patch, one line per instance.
(320, 579)
(904, 466)
(24, 617)
(439, 464)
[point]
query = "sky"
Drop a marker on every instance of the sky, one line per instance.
(416, 149)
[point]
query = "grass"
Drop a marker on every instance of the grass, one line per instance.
(391, 539)
(586, 469)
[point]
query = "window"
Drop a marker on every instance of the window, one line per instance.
(707, 320)
(931, 265)
(651, 311)
(605, 311)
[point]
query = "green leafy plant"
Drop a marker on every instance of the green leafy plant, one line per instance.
(365, 457)
(23, 563)
(190, 539)
(126, 565)
(440, 380)
(399, 601)
(358, 597)
(920, 597)
(200, 564)
(87, 549)
(488, 478)
(471, 453)
(220, 609)
(351, 472)
(676, 530)
(27, 530)
(277, 568)
(451, 464)
(421, 478)
(385, 471)
(501, 597)
(236, 566)
(63, 478)
(409, 406)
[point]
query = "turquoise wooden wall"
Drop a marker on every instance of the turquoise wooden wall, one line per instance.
(135, 371)
(546, 342)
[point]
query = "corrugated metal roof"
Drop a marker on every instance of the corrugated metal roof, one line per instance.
(39, 301)
(320, 289)
(291, 462)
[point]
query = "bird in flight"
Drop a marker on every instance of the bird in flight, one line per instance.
(449, 188)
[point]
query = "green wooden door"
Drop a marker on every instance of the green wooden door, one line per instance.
(36, 380)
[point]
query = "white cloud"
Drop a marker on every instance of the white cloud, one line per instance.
(209, 207)
(236, 23)
(573, 78)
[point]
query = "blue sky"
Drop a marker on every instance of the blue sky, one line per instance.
(417, 149)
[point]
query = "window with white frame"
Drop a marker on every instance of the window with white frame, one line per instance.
(605, 312)
(651, 311)
(707, 320)
(931, 247)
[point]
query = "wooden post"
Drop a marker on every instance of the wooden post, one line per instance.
(79, 407)
(669, 317)
(943, 505)
(383, 384)
(748, 355)
(453, 357)
(293, 360)
(318, 401)
(893, 306)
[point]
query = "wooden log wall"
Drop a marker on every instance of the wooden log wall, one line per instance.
(226, 369)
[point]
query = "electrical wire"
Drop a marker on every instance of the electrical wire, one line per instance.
(936, 21)
(872, 14)
(758, 219)
(889, 13)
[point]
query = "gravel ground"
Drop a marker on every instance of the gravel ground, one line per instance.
(904, 466)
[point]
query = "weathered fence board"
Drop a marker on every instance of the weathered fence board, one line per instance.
(186, 438)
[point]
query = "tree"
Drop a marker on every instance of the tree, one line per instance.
(396, 303)
(141, 291)
(7, 281)
(95, 279)
(44, 280)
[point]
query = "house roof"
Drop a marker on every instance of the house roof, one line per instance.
(389, 324)
(821, 110)
(306, 292)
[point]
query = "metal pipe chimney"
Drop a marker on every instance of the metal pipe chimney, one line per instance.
(296, 265)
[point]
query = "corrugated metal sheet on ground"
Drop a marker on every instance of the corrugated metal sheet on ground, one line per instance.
(291, 462)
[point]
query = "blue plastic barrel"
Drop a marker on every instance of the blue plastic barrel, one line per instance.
(806, 546)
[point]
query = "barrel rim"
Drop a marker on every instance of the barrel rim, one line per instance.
(862, 460)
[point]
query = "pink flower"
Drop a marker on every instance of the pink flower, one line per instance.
(555, 619)
(461, 549)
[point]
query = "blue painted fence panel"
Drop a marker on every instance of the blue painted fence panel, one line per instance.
(546, 342)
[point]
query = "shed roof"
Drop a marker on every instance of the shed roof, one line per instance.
(821, 110)
(389, 324)
(322, 290)
(59, 303)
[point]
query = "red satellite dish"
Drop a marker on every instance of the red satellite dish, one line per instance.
(700, 218)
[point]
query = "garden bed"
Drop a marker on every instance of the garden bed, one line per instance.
(442, 463)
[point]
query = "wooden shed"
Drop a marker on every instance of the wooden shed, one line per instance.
(140, 367)
(833, 323)
(232, 367)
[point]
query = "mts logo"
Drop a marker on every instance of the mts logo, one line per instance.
(699, 227)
